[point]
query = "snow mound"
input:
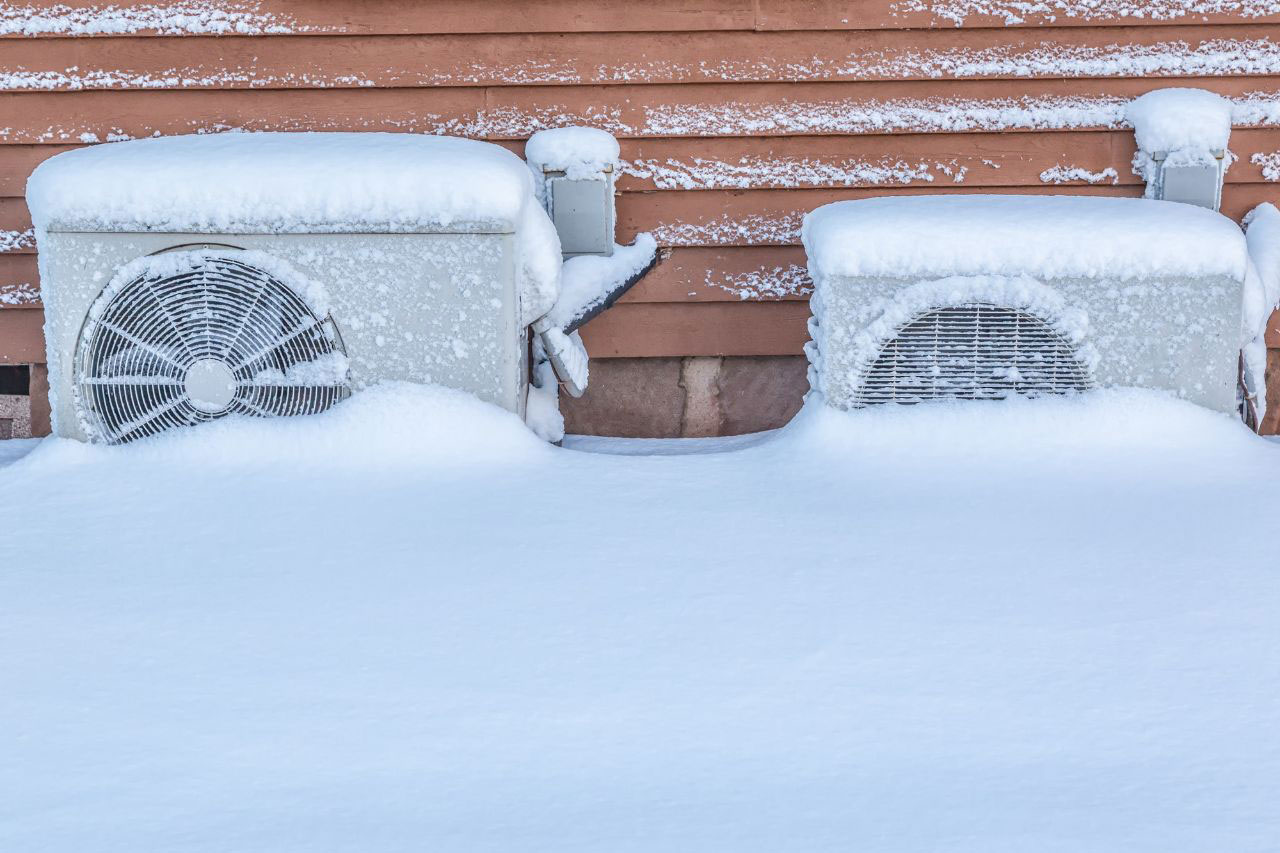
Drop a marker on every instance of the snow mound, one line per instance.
(1043, 236)
(386, 426)
(1045, 432)
(1175, 119)
(283, 182)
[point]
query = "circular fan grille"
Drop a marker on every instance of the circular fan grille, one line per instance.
(975, 351)
(220, 337)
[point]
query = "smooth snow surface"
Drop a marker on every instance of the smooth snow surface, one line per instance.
(283, 182)
(1175, 119)
(406, 624)
(1045, 236)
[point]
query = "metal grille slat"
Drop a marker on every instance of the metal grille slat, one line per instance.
(974, 351)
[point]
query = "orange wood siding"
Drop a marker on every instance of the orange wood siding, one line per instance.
(735, 116)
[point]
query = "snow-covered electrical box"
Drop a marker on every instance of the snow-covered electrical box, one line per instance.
(986, 297)
(574, 169)
(1182, 137)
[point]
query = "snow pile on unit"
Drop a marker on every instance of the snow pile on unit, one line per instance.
(1179, 127)
(278, 183)
(588, 281)
(580, 152)
(1045, 236)
(283, 182)
(1261, 297)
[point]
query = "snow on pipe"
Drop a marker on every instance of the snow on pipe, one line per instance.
(1182, 139)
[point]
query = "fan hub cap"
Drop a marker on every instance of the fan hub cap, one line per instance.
(210, 385)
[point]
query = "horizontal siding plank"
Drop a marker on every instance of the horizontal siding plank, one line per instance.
(494, 59)
(739, 217)
(714, 329)
(935, 160)
(860, 14)
(275, 17)
(695, 110)
(22, 333)
(764, 217)
(725, 274)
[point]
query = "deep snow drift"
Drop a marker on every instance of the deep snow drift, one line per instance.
(407, 624)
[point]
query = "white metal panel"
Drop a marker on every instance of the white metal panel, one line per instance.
(436, 308)
(1179, 334)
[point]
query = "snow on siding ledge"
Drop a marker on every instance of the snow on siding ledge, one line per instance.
(1018, 11)
(764, 284)
(186, 17)
(720, 119)
(23, 293)
(1215, 57)
(1269, 163)
(751, 172)
(923, 115)
(12, 241)
(1075, 174)
(728, 230)
(73, 80)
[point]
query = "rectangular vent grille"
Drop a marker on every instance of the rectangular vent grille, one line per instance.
(972, 352)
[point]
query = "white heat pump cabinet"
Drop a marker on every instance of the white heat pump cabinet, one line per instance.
(986, 297)
(186, 278)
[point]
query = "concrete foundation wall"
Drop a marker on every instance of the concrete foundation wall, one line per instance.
(686, 397)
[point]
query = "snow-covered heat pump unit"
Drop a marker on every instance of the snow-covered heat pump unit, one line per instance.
(187, 278)
(574, 171)
(988, 297)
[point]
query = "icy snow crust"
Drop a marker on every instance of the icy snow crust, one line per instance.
(407, 624)
(1045, 237)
